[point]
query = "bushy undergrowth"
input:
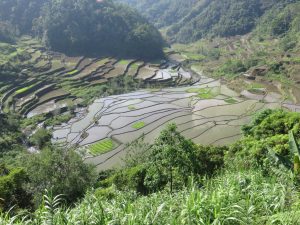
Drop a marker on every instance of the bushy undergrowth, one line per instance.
(175, 181)
(233, 197)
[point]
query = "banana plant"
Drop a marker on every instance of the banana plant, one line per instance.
(284, 164)
(295, 151)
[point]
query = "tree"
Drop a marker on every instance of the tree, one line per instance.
(7, 32)
(12, 191)
(172, 158)
(169, 162)
(208, 159)
(21, 13)
(60, 172)
(10, 134)
(40, 138)
(97, 28)
(85, 27)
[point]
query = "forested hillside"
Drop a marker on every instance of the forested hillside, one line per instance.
(81, 27)
(193, 20)
(163, 12)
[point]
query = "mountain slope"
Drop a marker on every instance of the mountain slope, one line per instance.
(163, 12)
(84, 27)
(204, 18)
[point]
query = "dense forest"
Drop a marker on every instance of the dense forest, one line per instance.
(194, 20)
(97, 27)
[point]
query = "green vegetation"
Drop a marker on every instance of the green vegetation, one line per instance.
(203, 93)
(162, 12)
(124, 62)
(22, 90)
(59, 171)
(24, 176)
(72, 72)
(7, 32)
(194, 56)
(170, 180)
(269, 129)
(41, 138)
(231, 68)
(254, 181)
(135, 66)
(52, 121)
(256, 86)
(138, 125)
(10, 136)
(280, 21)
(131, 107)
(231, 100)
(21, 13)
(102, 147)
(263, 55)
(192, 20)
(116, 31)
(88, 93)
(12, 192)
(11, 60)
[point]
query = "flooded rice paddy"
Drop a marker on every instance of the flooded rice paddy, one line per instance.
(213, 120)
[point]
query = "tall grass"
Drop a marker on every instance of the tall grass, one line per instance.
(231, 198)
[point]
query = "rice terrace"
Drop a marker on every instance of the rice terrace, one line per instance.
(214, 118)
(204, 109)
(150, 112)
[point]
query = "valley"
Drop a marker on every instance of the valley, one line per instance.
(207, 112)
(150, 112)
(139, 98)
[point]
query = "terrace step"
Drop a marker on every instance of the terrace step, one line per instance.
(32, 101)
(59, 97)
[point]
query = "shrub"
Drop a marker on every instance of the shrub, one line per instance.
(41, 138)
(131, 179)
(272, 122)
(12, 192)
(231, 68)
(268, 129)
(60, 172)
(209, 159)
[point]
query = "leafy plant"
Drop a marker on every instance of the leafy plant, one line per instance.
(292, 162)
(60, 171)
(295, 151)
(50, 207)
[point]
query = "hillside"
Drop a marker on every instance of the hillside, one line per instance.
(192, 20)
(101, 123)
(83, 27)
(163, 13)
(267, 57)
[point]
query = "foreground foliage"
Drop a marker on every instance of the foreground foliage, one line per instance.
(172, 181)
(60, 172)
(244, 197)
